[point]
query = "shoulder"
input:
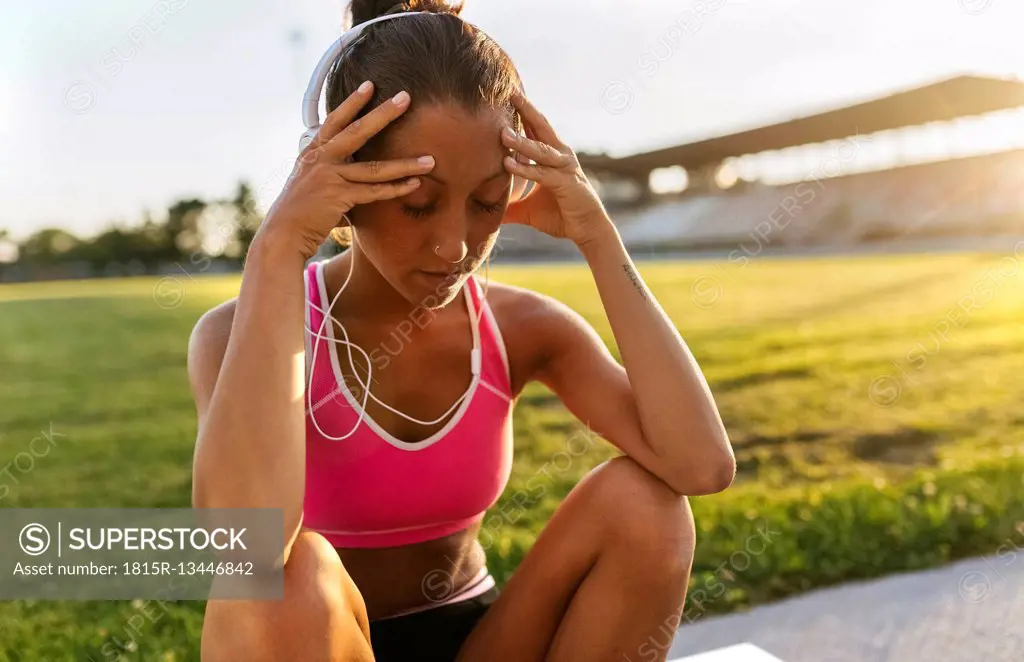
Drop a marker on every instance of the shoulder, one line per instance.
(523, 306)
(214, 326)
(208, 342)
(534, 327)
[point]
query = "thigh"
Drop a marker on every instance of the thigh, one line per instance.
(521, 623)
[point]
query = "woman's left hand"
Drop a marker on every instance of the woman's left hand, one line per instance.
(564, 204)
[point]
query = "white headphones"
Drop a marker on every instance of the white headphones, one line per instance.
(521, 187)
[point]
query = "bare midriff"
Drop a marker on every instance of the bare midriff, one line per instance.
(393, 579)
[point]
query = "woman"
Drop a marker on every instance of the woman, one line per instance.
(383, 490)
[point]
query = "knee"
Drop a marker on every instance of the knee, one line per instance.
(312, 555)
(315, 577)
(319, 597)
(644, 517)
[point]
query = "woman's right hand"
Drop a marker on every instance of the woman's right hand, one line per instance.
(324, 184)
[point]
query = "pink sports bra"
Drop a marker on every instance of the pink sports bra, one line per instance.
(374, 490)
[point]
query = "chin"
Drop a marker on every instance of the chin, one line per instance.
(435, 293)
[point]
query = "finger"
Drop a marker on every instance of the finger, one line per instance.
(382, 171)
(361, 194)
(540, 152)
(340, 117)
(356, 134)
(528, 130)
(540, 125)
(541, 174)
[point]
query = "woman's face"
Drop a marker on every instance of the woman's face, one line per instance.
(449, 224)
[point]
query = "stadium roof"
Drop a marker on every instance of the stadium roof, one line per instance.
(942, 101)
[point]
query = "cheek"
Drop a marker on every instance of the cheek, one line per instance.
(386, 233)
(483, 244)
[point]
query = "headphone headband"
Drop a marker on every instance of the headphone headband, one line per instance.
(311, 99)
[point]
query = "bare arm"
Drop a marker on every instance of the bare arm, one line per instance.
(248, 387)
(669, 404)
(657, 407)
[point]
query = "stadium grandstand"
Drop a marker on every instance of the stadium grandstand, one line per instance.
(941, 160)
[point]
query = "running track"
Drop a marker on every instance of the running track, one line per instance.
(969, 611)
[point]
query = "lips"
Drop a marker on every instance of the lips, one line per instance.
(437, 277)
(441, 274)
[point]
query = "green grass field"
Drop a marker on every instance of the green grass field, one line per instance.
(874, 404)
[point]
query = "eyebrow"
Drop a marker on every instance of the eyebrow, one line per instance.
(441, 181)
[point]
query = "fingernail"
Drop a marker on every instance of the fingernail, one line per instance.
(509, 132)
(365, 87)
(426, 160)
(400, 98)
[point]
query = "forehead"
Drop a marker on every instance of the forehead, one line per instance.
(453, 135)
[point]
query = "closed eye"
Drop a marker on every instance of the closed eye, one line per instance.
(491, 209)
(420, 212)
(417, 212)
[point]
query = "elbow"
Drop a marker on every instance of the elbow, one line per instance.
(711, 476)
(205, 498)
(199, 498)
(201, 494)
(210, 489)
(720, 475)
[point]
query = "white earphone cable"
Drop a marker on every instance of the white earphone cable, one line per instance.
(475, 367)
(312, 364)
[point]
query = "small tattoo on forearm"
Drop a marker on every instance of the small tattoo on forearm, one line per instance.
(633, 276)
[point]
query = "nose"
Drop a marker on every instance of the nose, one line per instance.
(452, 251)
(449, 236)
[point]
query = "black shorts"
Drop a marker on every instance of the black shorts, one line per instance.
(434, 635)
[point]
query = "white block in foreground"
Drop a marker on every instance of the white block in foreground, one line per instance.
(737, 653)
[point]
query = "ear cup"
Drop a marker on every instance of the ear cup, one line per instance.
(307, 137)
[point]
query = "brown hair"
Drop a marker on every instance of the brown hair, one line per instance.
(436, 59)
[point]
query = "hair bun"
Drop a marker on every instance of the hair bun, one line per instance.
(364, 10)
(437, 6)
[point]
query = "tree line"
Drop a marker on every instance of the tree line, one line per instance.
(192, 228)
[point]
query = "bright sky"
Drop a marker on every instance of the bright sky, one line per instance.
(113, 106)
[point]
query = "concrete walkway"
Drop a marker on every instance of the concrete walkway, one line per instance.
(969, 611)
